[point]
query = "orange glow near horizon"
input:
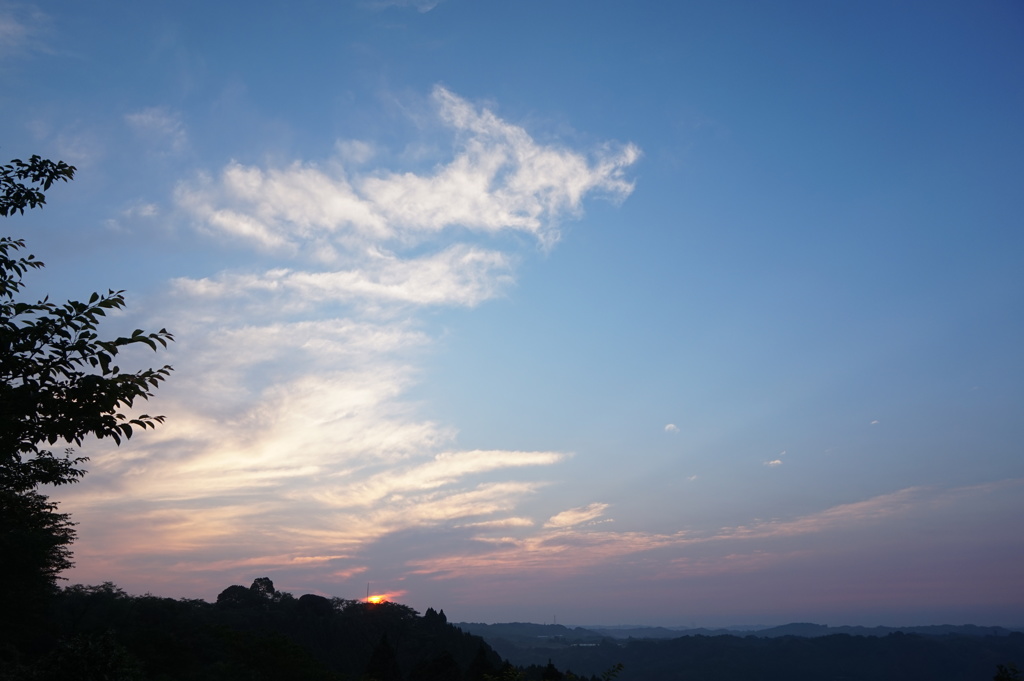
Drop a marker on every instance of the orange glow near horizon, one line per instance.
(383, 598)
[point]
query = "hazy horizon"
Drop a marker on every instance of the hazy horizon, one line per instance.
(665, 312)
(736, 626)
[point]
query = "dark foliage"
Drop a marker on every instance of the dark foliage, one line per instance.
(58, 381)
(34, 549)
(38, 173)
(250, 633)
(1008, 672)
(58, 384)
(383, 664)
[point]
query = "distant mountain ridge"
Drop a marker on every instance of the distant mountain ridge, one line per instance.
(809, 630)
(538, 634)
(793, 652)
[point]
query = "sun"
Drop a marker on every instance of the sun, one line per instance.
(377, 598)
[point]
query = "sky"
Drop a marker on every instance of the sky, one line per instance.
(698, 313)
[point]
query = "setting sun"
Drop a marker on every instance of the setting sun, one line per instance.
(384, 597)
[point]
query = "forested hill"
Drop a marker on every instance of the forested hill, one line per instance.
(253, 633)
(536, 634)
(257, 633)
(813, 630)
(836, 656)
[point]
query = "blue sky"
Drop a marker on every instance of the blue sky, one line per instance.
(646, 312)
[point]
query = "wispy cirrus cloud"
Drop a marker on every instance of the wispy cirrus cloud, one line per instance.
(161, 126)
(577, 516)
(563, 548)
(421, 6)
(289, 434)
(458, 275)
(21, 28)
(500, 179)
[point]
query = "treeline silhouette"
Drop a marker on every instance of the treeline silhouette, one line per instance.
(250, 633)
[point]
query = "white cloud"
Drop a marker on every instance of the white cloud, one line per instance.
(421, 6)
(289, 430)
(21, 27)
(297, 205)
(502, 523)
(355, 152)
(459, 275)
(133, 213)
(577, 516)
(79, 147)
(443, 470)
(141, 209)
(773, 462)
(500, 179)
(160, 125)
(671, 428)
(13, 32)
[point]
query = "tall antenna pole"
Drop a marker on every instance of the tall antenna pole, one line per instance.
(367, 592)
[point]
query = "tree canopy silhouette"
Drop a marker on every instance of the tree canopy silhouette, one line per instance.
(58, 380)
(58, 385)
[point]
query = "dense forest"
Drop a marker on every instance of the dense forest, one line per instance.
(253, 633)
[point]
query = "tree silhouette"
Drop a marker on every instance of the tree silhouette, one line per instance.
(40, 173)
(57, 378)
(263, 587)
(58, 381)
(1007, 672)
(383, 664)
(58, 384)
(34, 549)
